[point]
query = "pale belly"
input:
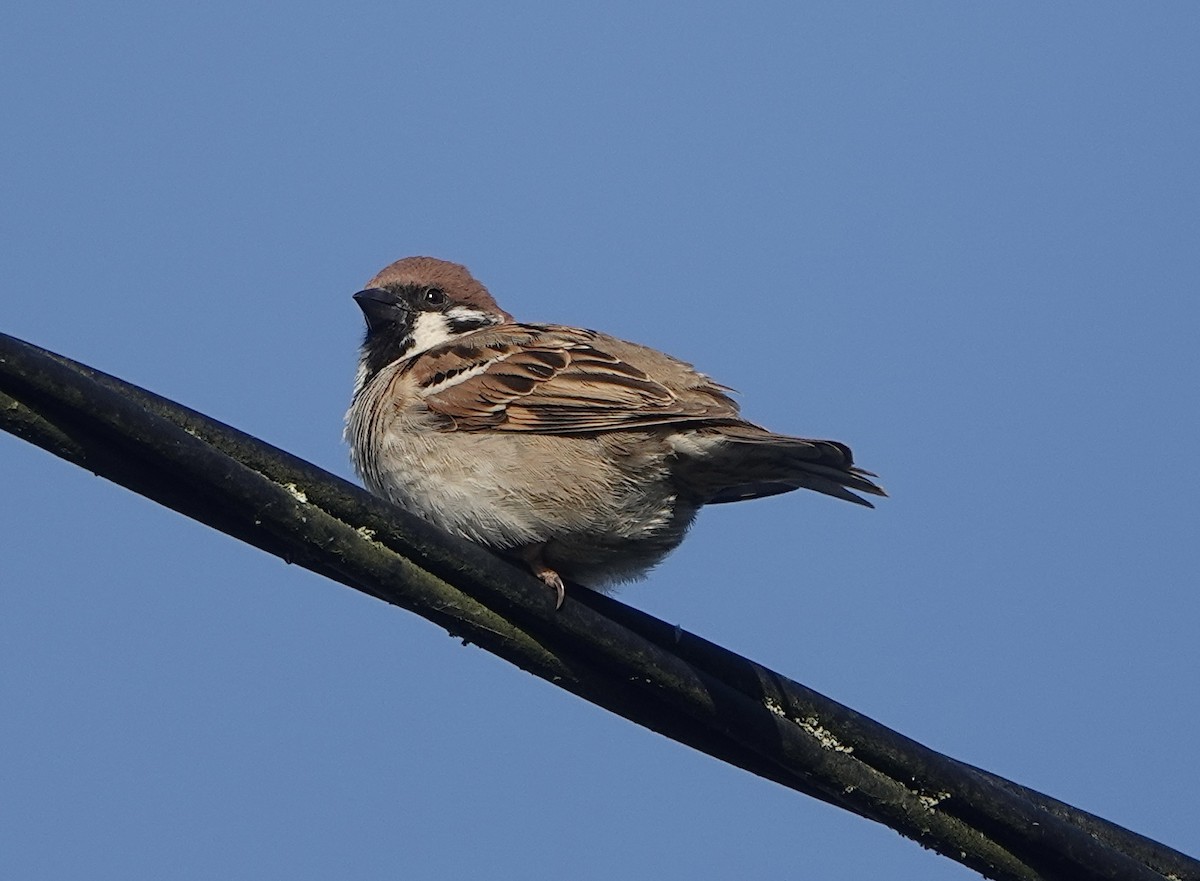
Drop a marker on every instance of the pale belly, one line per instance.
(604, 508)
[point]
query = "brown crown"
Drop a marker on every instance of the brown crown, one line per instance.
(453, 278)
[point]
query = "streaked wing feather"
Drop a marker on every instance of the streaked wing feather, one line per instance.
(559, 383)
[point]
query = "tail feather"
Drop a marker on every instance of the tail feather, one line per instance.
(752, 463)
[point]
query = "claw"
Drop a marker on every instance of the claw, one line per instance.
(532, 554)
(555, 583)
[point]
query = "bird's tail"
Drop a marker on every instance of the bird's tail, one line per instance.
(748, 462)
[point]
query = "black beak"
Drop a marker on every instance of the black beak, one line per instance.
(380, 307)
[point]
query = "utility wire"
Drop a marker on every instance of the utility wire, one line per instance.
(637, 666)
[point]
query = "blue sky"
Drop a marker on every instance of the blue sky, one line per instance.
(962, 238)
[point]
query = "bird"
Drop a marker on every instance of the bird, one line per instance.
(583, 456)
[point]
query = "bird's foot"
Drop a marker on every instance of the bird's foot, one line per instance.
(532, 554)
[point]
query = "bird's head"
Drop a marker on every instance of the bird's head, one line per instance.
(418, 303)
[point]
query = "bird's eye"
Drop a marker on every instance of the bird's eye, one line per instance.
(434, 298)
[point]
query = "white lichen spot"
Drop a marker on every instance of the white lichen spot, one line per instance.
(929, 802)
(773, 706)
(296, 493)
(366, 532)
(813, 726)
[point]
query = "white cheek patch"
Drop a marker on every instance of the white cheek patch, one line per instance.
(465, 312)
(429, 330)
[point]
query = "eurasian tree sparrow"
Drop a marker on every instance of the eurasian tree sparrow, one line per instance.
(584, 455)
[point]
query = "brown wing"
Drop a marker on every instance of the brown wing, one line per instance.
(559, 380)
